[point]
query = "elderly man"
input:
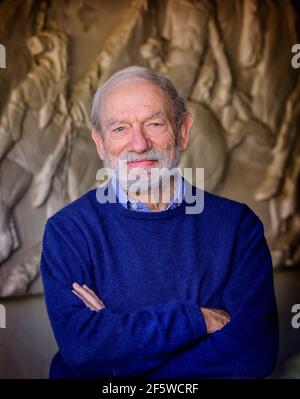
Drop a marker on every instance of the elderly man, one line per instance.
(140, 287)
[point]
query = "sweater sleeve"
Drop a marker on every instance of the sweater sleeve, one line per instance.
(247, 346)
(107, 343)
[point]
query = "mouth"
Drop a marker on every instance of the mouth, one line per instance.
(141, 164)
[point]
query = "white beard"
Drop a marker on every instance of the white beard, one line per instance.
(145, 180)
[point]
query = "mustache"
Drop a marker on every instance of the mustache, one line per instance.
(149, 155)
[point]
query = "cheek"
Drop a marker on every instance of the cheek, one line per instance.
(166, 144)
(170, 150)
(115, 148)
(165, 141)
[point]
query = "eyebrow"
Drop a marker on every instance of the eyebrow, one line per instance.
(112, 121)
(155, 115)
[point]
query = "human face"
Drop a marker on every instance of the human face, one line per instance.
(137, 128)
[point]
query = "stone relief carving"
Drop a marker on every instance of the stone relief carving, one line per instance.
(231, 63)
(59, 173)
(249, 91)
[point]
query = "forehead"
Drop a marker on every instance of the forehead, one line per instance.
(137, 99)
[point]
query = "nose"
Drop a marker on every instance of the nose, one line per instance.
(138, 141)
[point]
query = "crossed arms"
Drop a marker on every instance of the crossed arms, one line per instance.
(177, 338)
(215, 319)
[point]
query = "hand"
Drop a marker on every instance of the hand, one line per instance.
(215, 319)
(88, 297)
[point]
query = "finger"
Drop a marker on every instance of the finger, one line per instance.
(100, 303)
(225, 314)
(221, 313)
(92, 293)
(87, 296)
(90, 290)
(224, 320)
(226, 317)
(87, 304)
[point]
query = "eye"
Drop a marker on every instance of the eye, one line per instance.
(155, 124)
(118, 129)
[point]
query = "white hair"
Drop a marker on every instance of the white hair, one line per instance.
(132, 73)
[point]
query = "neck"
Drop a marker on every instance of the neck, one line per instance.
(162, 195)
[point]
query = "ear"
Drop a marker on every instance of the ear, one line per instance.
(185, 130)
(98, 140)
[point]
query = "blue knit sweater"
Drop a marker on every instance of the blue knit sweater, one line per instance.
(153, 271)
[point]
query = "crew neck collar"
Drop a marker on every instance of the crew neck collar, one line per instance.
(118, 206)
(132, 204)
